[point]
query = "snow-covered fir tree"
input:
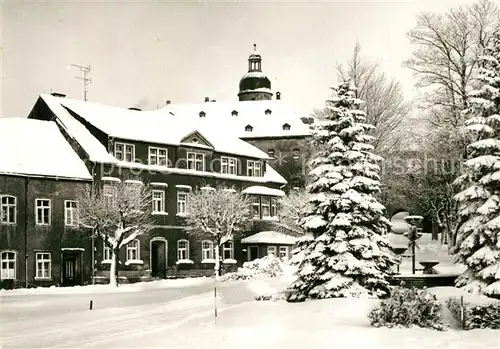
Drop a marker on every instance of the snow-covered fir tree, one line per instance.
(344, 252)
(478, 239)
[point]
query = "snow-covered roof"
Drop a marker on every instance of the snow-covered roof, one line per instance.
(95, 150)
(251, 113)
(158, 127)
(37, 148)
(110, 119)
(269, 237)
(259, 190)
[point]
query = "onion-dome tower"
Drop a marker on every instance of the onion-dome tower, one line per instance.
(255, 85)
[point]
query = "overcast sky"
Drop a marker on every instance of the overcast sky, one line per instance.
(143, 53)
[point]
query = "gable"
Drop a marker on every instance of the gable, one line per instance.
(196, 138)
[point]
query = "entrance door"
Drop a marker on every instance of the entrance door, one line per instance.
(159, 259)
(71, 274)
(253, 253)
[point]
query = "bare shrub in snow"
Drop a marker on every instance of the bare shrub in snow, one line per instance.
(408, 307)
(475, 315)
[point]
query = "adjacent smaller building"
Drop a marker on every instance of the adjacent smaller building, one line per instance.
(40, 175)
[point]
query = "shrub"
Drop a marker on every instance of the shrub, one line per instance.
(408, 307)
(475, 315)
(269, 266)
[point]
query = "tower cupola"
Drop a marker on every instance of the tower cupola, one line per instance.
(255, 85)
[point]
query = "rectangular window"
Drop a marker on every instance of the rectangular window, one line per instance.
(8, 265)
(256, 207)
(42, 211)
(158, 201)
(108, 192)
(258, 169)
(266, 212)
(43, 264)
(228, 250)
(228, 165)
(70, 213)
(107, 253)
(125, 152)
(284, 252)
(181, 203)
(271, 250)
(182, 249)
(254, 168)
(207, 249)
(196, 161)
(274, 207)
(133, 250)
(158, 156)
(8, 209)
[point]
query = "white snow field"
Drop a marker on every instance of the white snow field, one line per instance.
(180, 314)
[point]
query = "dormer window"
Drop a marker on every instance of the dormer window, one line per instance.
(268, 112)
(202, 114)
(270, 153)
(286, 127)
(234, 113)
(296, 153)
(248, 128)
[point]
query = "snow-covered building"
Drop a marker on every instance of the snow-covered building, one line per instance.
(67, 143)
(269, 124)
(40, 175)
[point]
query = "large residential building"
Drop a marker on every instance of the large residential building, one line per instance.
(257, 145)
(69, 145)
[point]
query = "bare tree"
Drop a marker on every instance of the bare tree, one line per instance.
(385, 106)
(118, 213)
(445, 59)
(217, 214)
(293, 208)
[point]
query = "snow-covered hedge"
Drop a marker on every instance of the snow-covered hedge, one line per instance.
(475, 315)
(408, 307)
(269, 266)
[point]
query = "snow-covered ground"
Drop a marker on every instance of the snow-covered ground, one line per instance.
(180, 314)
(93, 289)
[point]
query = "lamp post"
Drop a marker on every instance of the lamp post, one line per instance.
(86, 78)
(413, 234)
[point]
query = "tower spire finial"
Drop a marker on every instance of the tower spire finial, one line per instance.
(254, 47)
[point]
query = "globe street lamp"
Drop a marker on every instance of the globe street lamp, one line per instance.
(414, 233)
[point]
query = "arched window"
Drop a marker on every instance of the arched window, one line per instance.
(182, 249)
(248, 128)
(8, 265)
(207, 249)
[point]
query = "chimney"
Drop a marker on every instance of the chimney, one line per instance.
(278, 95)
(213, 100)
(207, 99)
(135, 108)
(57, 94)
(168, 102)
